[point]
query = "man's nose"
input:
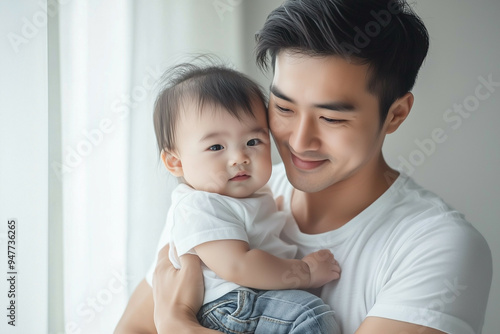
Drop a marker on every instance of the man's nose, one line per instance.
(304, 135)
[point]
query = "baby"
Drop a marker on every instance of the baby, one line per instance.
(212, 132)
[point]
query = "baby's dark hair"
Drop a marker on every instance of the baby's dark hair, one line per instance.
(216, 85)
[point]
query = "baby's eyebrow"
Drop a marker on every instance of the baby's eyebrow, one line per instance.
(212, 135)
(263, 131)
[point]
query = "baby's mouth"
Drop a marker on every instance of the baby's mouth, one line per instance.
(240, 176)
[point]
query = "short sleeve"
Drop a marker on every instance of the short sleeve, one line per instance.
(202, 217)
(441, 279)
(161, 243)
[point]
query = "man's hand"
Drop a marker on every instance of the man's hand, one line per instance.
(323, 268)
(177, 294)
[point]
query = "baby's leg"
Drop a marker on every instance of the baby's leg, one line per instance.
(301, 311)
(282, 311)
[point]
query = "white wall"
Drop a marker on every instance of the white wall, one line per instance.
(465, 45)
(24, 161)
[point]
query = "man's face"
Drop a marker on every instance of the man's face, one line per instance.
(324, 121)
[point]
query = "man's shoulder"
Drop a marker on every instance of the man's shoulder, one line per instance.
(431, 251)
(421, 203)
(427, 218)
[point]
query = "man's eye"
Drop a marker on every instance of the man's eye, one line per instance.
(281, 109)
(216, 147)
(254, 142)
(332, 120)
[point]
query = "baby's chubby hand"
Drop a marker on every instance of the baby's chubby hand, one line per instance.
(323, 267)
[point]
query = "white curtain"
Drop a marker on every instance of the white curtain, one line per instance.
(95, 67)
(115, 192)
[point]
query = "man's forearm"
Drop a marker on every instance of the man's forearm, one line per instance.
(181, 322)
(178, 295)
(138, 315)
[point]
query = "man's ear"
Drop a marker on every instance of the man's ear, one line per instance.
(172, 163)
(398, 112)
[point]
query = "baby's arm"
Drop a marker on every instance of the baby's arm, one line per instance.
(234, 261)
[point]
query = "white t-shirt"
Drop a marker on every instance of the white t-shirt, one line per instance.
(196, 217)
(408, 256)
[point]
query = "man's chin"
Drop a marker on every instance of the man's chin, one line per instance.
(307, 183)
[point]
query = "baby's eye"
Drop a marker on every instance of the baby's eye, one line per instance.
(254, 142)
(216, 147)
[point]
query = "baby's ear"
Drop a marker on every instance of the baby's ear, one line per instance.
(172, 163)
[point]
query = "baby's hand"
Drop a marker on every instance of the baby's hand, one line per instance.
(323, 268)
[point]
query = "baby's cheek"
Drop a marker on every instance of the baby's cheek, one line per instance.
(265, 169)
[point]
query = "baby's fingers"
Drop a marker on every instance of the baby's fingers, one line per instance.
(335, 269)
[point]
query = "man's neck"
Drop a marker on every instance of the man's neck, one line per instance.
(336, 205)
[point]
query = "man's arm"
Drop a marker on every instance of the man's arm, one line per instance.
(138, 316)
(171, 305)
(376, 325)
(178, 295)
(448, 265)
(234, 261)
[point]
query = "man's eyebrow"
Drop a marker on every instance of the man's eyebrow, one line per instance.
(278, 93)
(334, 106)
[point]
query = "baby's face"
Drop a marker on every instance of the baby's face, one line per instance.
(222, 154)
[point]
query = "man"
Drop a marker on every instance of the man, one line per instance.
(343, 72)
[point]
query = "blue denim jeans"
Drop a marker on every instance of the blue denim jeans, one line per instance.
(268, 312)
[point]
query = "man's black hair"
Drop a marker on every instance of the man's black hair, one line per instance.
(385, 34)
